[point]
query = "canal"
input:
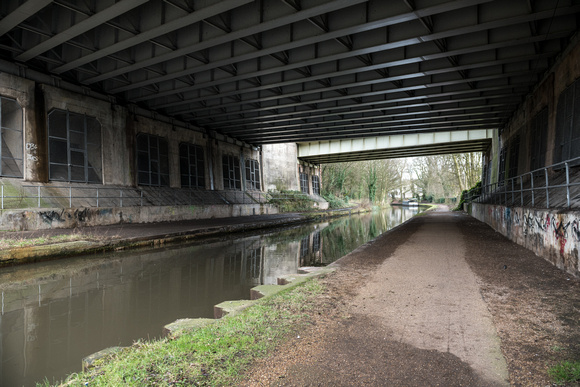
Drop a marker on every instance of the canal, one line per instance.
(55, 313)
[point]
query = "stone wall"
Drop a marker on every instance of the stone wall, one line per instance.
(551, 234)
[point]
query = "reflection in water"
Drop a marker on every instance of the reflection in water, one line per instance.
(55, 313)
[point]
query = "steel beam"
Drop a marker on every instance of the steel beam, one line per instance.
(165, 28)
(88, 24)
(340, 150)
(21, 13)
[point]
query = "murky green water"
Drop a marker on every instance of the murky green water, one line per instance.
(53, 314)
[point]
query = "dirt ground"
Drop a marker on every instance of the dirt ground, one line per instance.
(442, 300)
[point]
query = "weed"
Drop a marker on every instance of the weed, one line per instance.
(565, 372)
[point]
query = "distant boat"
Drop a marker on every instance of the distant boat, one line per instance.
(411, 202)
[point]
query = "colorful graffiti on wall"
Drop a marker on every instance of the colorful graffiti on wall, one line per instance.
(553, 235)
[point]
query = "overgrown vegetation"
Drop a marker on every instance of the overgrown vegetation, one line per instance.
(335, 202)
(475, 190)
(565, 372)
(214, 355)
(291, 201)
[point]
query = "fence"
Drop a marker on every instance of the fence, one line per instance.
(554, 186)
(43, 196)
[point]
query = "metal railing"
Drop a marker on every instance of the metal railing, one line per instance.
(554, 186)
(45, 196)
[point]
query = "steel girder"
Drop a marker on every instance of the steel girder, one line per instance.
(271, 71)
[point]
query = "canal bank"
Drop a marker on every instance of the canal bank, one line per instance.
(428, 303)
(70, 308)
(39, 245)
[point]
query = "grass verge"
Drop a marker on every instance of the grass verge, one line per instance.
(565, 372)
(210, 356)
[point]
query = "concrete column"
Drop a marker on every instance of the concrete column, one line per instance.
(36, 137)
(130, 133)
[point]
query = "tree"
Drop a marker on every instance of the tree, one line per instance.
(445, 176)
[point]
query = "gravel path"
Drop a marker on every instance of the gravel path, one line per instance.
(442, 300)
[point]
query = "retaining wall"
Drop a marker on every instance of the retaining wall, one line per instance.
(551, 234)
(48, 218)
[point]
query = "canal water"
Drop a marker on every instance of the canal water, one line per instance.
(55, 313)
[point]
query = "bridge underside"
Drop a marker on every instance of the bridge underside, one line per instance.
(266, 72)
(388, 147)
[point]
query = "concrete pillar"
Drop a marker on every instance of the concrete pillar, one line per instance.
(36, 138)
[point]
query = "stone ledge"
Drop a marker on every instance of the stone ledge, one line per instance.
(230, 308)
(177, 327)
(33, 253)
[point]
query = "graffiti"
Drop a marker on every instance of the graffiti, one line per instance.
(82, 215)
(576, 230)
(31, 149)
(516, 218)
(542, 224)
(51, 216)
(507, 214)
(528, 224)
(560, 233)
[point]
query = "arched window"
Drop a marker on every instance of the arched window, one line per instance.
(11, 147)
(74, 147)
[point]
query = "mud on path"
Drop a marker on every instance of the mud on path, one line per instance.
(442, 300)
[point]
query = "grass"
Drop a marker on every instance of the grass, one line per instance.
(565, 372)
(213, 355)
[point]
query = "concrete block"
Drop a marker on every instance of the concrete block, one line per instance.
(177, 327)
(230, 307)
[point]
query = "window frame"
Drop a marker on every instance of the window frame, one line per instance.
(315, 185)
(304, 188)
(568, 125)
(232, 175)
(155, 146)
(19, 162)
(252, 175)
(84, 147)
(195, 172)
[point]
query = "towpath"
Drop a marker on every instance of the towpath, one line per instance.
(442, 300)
